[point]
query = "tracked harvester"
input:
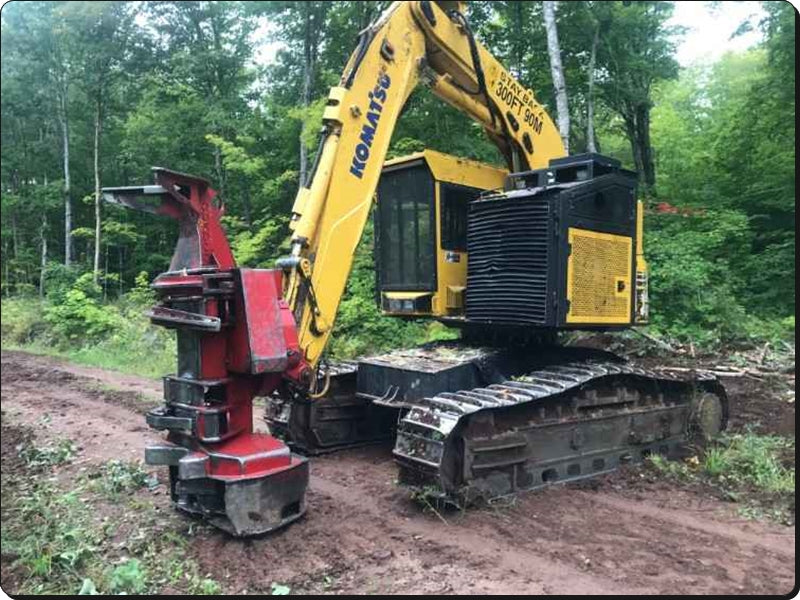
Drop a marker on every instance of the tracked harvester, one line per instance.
(509, 257)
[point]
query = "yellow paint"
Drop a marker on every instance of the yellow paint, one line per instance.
(641, 263)
(642, 277)
(597, 263)
(456, 170)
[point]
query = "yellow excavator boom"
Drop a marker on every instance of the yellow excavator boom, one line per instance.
(411, 43)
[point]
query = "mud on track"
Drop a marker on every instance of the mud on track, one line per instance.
(622, 534)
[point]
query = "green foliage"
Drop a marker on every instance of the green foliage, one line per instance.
(80, 316)
(22, 322)
(141, 294)
(133, 344)
(691, 258)
(116, 477)
(128, 577)
(724, 267)
(752, 460)
(48, 534)
(262, 247)
(61, 531)
(309, 117)
(741, 461)
(39, 457)
(75, 322)
(676, 469)
(757, 470)
(178, 88)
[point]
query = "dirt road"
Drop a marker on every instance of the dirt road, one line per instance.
(626, 533)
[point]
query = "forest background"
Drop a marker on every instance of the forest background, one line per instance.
(95, 93)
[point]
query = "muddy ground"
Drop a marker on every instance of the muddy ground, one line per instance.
(629, 532)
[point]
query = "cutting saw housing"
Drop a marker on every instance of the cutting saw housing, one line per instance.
(476, 247)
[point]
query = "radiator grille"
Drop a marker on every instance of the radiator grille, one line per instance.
(507, 270)
(599, 277)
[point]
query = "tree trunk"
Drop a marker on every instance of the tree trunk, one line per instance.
(631, 133)
(8, 281)
(519, 35)
(590, 142)
(15, 234)
(67, 199)
(43, 234)
(105, 279)
(308, 74)
(645, 148)
(98, 124)
(557, 69)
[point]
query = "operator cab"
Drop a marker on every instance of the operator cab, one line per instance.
(421, 231)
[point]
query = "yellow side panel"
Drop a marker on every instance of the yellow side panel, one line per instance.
(462, 171)
(599, 277)
(450, 271)
(457, 170)
(406, 295)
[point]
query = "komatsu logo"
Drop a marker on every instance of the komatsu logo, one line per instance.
(377, 98)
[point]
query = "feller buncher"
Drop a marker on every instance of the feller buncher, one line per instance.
(509, 257)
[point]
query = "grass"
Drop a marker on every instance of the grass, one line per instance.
(752, 460)
(132, 346)
(47, 456)
(756, 470)
(91, 533)
(106, 356)
(117, 477)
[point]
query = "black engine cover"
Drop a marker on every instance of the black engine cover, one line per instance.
(518, 242)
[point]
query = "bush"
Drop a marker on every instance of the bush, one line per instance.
(754, 460)
(141, 294)
(22, 321)
(80, 317)
(75, 322)
(59, 280)
(756, 470)
(133, 344)
(128, 577)
(696, 291)
(116, 477)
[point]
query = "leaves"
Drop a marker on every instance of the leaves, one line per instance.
(88, 588)
(128, 577)
(280, 590)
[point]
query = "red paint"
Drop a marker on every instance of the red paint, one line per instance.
(247, 456)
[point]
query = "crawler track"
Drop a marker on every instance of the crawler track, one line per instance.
(554, 424)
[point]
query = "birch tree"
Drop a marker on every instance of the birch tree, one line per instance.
(102, 29)
(557, 70)
(57, 55)
(590, 140)
(313, 20)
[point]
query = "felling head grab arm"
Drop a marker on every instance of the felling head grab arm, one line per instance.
(189, 200)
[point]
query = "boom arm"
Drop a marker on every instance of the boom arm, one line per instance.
(411, 43)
